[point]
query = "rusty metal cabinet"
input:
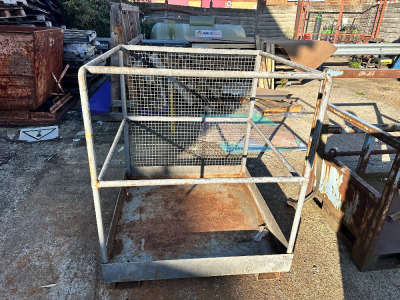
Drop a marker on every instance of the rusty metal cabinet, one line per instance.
(28, 56)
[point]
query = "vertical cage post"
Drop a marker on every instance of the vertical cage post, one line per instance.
(125, 114)
(319, 115)
(92, 159)
(250, 115)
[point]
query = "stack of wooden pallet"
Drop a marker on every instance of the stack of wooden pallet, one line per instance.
(42, 13)
(80, 47)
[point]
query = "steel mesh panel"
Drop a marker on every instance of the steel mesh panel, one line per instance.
(187, 143)
(188, 96)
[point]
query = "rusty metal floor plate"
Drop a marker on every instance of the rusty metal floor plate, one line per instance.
(185, 231)
(191, 221)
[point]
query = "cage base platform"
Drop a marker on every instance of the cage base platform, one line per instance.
(186, 231)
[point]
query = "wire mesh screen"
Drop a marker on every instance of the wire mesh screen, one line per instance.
(188, 143)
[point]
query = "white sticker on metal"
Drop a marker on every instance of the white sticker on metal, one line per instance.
(38, 134)
(208, 33)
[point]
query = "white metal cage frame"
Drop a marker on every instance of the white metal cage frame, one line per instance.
(171, 101)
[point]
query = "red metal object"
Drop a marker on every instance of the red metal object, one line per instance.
(377, 17)
(28, 56)
(339, 22)
(380, 19)
(341, 34)
(304, 19)
(299, 17)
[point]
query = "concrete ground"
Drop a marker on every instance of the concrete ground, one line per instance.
(48, 237)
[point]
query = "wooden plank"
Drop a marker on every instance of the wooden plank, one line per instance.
(128, 7)
(264, 81)
(259, 44)
(268, 276)
(270, 48)
(60, 103)
(262, 69)
(125, 29)
(116, 36)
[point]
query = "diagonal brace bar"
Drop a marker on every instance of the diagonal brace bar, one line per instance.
(276, 151)
(112, 150)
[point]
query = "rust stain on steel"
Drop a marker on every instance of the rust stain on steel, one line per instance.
(345, 197)
(28, 55)
(172, 219)
(365, 73)
(358, 206)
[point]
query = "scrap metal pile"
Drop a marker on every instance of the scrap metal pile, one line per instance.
(41, 13)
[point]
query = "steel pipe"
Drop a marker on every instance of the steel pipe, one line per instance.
(125, 114)
(92, 160)
(204, 73)
(190, 50)
(186, 119)
(319, 116)
(250, 115)
(192, 181)
(104, 56)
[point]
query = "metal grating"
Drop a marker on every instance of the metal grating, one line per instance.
(188, 96)
(159, 143)
(186, 143)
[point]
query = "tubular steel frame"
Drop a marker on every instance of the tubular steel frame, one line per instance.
(97, 180)
(349, 198)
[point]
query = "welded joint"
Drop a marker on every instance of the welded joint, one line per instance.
(96, 184)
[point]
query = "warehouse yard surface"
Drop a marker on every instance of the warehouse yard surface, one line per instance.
(48, 237)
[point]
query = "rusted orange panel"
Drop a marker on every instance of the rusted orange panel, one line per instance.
(48, 58)
(28, 55)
